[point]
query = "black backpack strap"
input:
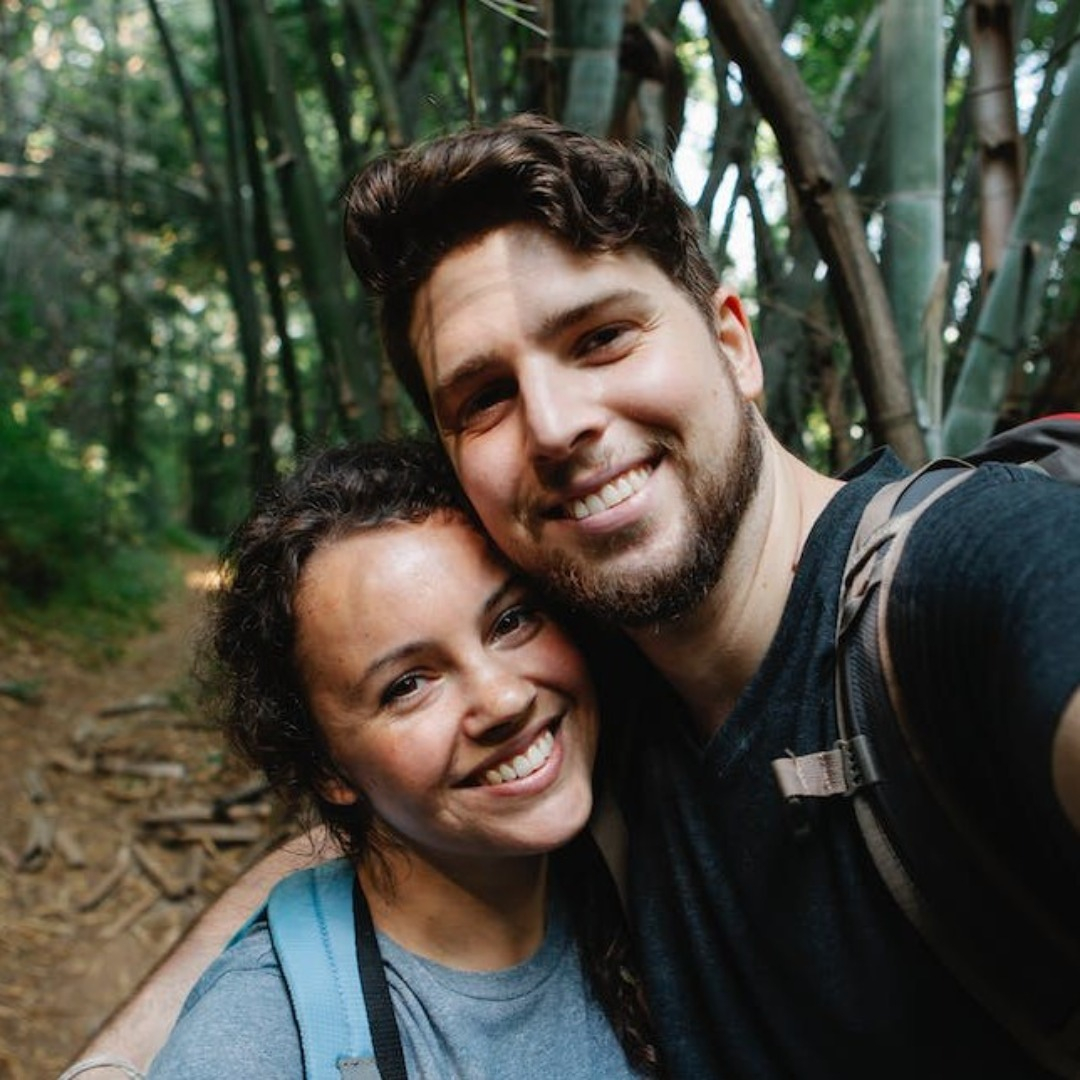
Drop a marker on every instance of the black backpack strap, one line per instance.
(850, 764)
(385, 1036)
(1051, 443)
(940, 867)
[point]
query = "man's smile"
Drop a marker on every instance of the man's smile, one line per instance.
(610, 495)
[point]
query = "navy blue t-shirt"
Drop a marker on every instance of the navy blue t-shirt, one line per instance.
(771, 956)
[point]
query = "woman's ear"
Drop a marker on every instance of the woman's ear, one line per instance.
(737, 343)
(338, 791)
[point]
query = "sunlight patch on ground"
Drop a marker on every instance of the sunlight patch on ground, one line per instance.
(203, 580)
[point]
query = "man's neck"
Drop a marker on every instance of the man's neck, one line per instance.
(710, 654)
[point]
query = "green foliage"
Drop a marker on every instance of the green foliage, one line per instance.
(822, 40)
(69, 543)
(131, 196)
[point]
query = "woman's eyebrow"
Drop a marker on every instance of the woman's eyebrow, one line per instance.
(511, 583)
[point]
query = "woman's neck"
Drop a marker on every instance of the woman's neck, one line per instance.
(470, 915)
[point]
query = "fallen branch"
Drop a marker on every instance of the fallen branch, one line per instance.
(108, 883)
(38, 845)
(133, 914)
(143, 703)
(154, 770)
(60, 759)
(172, 886)
(247, 793)
(34, 783)
(241, 832)
(173, 815)
(69, 848)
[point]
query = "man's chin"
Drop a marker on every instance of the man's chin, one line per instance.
(629, 597)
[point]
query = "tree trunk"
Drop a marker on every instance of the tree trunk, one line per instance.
(125, 413)
(814, 168)
(261, 230)
(913, 252)
(588, 34)
(316, 240)
(651, 95)
(1010, 310)
(233, 222)
(993, 107)
(337, 86)
(379, 72)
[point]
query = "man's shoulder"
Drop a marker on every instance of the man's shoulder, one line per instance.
(1009, 507)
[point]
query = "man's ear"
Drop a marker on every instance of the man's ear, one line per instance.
(737, 343)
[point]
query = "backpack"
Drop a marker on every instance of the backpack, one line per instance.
(322, 933)
(939, 865)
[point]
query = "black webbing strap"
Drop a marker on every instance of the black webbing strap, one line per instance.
(384, 1030)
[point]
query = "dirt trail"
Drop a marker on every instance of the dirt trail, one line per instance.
(93, 889)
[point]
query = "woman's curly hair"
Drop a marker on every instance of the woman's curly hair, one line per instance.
(247, 664)
(254, 689)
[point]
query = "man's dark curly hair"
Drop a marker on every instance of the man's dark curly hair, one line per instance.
(405, 212)
(254, 688)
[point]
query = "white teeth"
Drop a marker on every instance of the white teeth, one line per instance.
(611, 494)
(522, 764)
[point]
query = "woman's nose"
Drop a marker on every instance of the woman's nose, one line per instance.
(502, 701)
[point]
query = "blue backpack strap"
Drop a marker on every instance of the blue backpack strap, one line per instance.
(310, 913)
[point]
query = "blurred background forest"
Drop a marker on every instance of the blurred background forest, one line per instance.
(894, 185)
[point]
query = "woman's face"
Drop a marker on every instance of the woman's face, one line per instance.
(444, 693)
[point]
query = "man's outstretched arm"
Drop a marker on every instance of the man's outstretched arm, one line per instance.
(1067, 761)
(132, 1036)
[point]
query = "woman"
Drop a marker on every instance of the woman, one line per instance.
(382, 664)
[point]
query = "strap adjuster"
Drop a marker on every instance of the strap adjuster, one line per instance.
(843, 770)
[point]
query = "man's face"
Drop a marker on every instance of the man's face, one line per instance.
(598, 422)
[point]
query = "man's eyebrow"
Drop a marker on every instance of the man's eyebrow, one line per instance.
(462, 374)
(558, 321)
(550, 327)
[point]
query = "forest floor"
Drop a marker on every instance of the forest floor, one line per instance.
(121, 817)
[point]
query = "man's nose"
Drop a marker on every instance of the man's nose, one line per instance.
(561, 408)
(501, 702)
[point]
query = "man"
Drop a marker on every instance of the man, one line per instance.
(544, 298)
(591, 383)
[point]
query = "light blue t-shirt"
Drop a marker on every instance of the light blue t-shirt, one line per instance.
(535, 1020)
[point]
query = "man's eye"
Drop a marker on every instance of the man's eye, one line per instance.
(612, 337)
(520, 622)
(489, 396)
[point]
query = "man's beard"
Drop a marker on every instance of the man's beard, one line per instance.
(637, 598)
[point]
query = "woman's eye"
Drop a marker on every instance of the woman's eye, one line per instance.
(402, 688)
(521, 620)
